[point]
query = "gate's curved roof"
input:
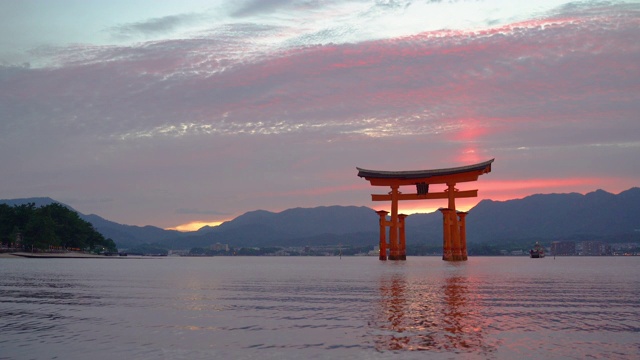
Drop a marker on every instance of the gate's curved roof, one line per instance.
(483, 167)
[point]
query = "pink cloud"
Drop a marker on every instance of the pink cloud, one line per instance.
(554, 100)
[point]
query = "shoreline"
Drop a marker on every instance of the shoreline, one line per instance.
(67, 255)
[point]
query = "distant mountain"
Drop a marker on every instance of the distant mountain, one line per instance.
(37, 201)
(596, 215)
(347, 225)
(130, 235)
(308, 222)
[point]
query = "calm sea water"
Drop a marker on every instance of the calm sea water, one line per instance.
(320, 307)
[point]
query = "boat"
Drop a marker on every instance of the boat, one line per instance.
(537, 251)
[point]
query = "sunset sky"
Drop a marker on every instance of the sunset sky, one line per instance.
(167, 113)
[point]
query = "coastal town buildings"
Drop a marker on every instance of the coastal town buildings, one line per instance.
(595, 248)
(220, 247)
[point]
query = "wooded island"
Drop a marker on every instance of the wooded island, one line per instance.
(49, 227)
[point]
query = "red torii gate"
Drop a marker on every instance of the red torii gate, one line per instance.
(454, 244)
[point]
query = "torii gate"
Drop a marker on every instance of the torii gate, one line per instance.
(454, 244)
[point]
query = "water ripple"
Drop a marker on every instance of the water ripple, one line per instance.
(183, 308)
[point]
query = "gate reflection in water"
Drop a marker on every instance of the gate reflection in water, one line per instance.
(430, 314)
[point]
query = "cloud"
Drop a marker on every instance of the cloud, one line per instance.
(200, 212)
(156, 26)
(236, 120)
(425, 84)
(255, 7)
(84, 201)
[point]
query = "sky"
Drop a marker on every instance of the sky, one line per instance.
(183, 113)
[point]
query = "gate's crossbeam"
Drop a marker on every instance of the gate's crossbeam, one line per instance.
(429, 196)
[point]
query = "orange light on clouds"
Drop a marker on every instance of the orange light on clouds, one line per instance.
(471, 131)
(468, 155)
(518, 189)
(195, 225)
(427, 206)
(420, 207)
(534, 186)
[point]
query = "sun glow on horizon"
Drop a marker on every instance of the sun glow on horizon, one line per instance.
(195, 225)
(488, 189)
(407, 209)
(498, 190)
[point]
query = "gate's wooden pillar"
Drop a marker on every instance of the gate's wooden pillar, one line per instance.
(403, 241)
(456, 242)
(394, 228)
(454, 233)
(383, 234)
(451, 195)
(446, 234)
(463, 234)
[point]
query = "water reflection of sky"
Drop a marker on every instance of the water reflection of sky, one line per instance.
(501, 308)
(437, 314)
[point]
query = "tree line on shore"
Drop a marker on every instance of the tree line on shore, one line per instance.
(52, 226)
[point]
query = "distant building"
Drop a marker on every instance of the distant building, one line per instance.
(220, 247)
(281, 253)
(563, 248)
(625, 249)
(595, 248)
(178, 253)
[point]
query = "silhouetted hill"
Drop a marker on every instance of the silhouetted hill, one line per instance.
(123, 235)
(130, 235)
(555, 216)
(38, 201)
(308, 222)
(348, 225)
(598, 215)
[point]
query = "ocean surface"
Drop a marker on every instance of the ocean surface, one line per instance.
(320, 307)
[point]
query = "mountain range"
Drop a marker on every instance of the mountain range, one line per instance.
(598, 215)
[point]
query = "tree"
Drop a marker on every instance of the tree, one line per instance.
(39, 233)
(50, 225)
